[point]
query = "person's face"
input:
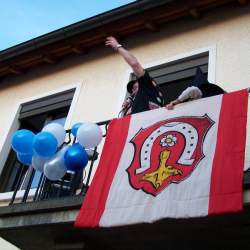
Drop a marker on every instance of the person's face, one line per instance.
(135, 88)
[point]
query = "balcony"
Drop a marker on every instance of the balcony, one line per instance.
(50, 204)
(43, 218)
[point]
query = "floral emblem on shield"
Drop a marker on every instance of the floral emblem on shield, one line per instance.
(167, 152)
(168, 141)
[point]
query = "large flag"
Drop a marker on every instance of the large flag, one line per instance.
(183, 163)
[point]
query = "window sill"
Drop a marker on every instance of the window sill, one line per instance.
(50, 205)
(6, 197)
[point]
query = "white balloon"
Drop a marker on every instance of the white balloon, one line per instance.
(38, 162)
(54, 168)
(57, 130)
(90, 152)
(89, 135)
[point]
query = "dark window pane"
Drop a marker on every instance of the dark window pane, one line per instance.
(174, 77)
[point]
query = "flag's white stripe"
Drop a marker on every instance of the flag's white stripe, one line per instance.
(125, 205)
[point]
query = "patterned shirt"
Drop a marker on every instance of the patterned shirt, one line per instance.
(149, 96)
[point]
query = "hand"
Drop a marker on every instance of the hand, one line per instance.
(126, 103)
(171, 105)
(111, 42)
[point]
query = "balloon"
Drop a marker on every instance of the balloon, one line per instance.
(90, 152)
(38, 162)
(89, 135)
(57, 130)
(45, 144)
(75, 157)
(24, 158)
(22, 141)
(54, 168)
(75, 128)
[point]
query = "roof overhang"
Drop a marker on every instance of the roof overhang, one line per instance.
(78, 38)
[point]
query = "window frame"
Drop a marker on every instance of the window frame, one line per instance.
(211, 74)
(5, 147)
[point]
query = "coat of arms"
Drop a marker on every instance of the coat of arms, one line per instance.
(167, 152)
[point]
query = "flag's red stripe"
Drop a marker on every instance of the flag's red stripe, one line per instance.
(95, 200)
(228, 163)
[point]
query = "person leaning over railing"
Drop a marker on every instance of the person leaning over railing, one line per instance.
(144, 93)
(193, 93)
(201, 88)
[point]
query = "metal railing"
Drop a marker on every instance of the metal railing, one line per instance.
(73, 183)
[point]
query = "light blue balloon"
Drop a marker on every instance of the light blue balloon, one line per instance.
(22, 141)
(45, 144)
(75, 157)
(38, 162)
(26, 159)
(75, 128)
(54, 168)
(89, 135)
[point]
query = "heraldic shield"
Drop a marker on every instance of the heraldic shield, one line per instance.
(167, 152)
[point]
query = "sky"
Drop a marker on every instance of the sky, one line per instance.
(22, 20)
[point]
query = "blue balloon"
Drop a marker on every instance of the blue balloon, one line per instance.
(26, 159)
(45, 144)
(75, 158)
(75, 128)
(22, 141)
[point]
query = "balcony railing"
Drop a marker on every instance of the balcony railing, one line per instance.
(72, 184)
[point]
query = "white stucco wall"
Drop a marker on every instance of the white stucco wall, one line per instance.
(5, 245)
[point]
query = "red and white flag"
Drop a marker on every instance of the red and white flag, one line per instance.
(183, 163)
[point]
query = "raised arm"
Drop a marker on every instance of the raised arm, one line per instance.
(128, 57)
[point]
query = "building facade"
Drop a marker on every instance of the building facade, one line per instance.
(88, 82)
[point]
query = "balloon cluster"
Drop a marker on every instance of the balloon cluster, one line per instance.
(46, 153)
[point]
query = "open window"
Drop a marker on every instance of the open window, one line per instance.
(34, 116)
(175, 76)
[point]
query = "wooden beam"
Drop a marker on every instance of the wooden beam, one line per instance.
(48, 59)
(77, 50)
(110, 33)
(151, 26)
(12, 69)
(195, 13)
(242, 2)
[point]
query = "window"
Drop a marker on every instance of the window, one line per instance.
(33, 116)
(176, 76)
(173, 77)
